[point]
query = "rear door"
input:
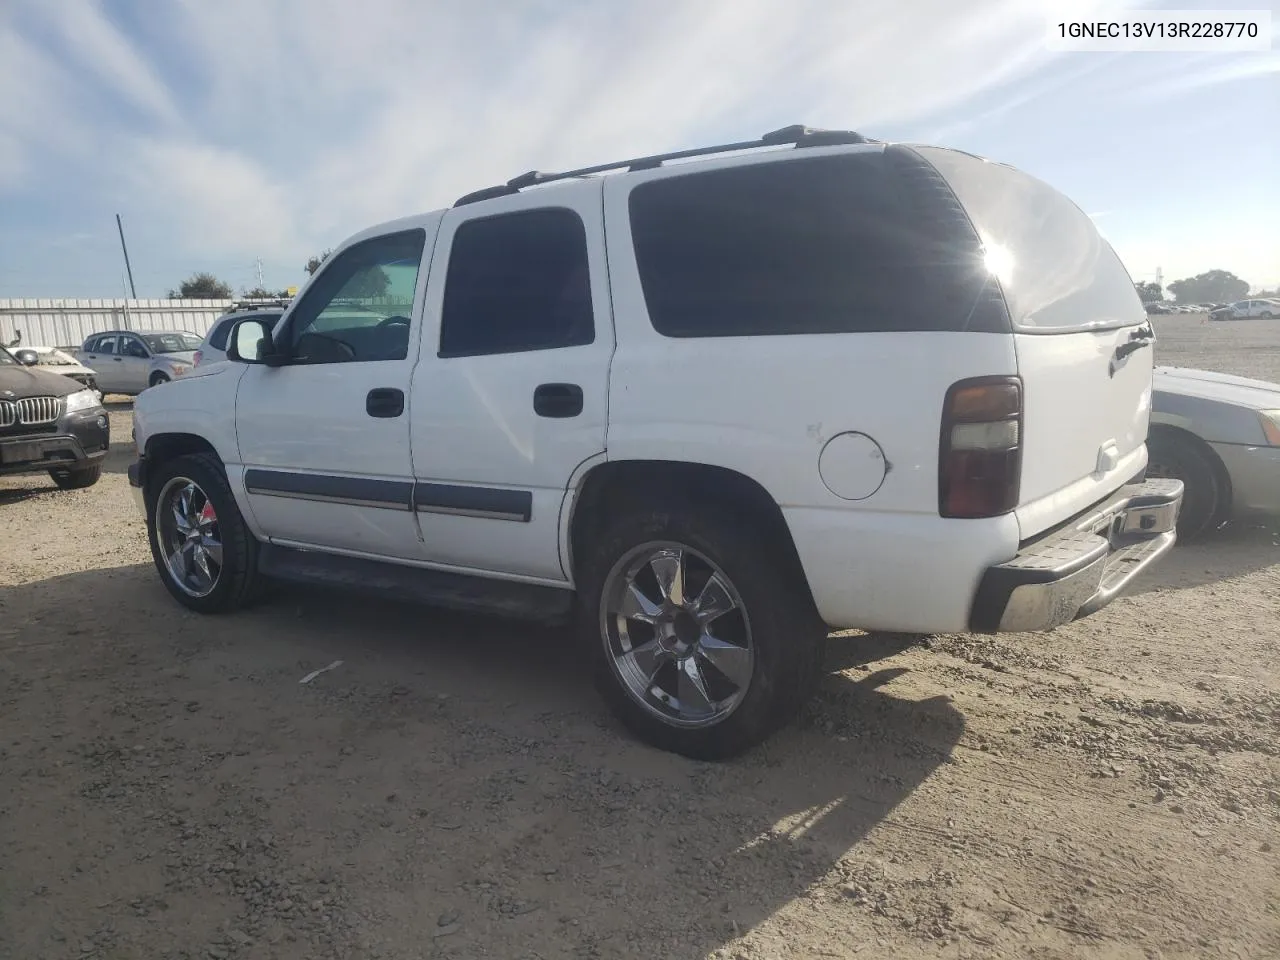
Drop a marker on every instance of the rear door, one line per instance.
(134, 363)
(1084, 344)
(510, 396)
(100, 359)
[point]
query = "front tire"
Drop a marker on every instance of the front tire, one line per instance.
(1204, 496)
(702, 641)
(76, 479)
(203, 550)
(158, 378)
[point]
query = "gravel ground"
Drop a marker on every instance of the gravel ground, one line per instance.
(453, 788)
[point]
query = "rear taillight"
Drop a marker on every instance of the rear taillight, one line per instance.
(195, 361)
(980, 456)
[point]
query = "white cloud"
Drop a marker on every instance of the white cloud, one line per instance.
(354, 113)
(93, 42)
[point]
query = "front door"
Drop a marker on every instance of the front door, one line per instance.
(101, 360)
(324, 439)
(511, 395)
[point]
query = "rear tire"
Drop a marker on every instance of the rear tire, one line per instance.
(237, 580)
(1204, 497)
(771, 614)
(76, 479)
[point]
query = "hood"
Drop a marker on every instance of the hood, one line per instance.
(17, 382)
(1240, 391)
(182, 356)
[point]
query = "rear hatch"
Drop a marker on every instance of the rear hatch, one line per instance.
(1083, 342)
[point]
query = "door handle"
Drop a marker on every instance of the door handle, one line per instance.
(557, 400)
(385, 402)
(118, 359)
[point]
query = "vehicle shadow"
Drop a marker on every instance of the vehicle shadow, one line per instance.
(1237, 549)
(449, 764)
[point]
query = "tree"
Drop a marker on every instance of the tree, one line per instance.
(201, 286)
(314, 263)
(1215, 286)
(367, 284)
(262, 293)
(1149, 292)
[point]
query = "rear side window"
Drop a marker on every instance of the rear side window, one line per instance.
(106, 345)
(1057, 273)
(835, 244)
(517, 282)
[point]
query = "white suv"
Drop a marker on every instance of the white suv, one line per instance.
(709, 408)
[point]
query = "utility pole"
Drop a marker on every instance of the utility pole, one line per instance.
(132, 289)
(260, 274)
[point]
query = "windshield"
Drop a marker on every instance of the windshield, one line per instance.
(55, 358)
(172, 342)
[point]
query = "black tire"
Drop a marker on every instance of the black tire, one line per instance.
(1204, 498)
(157, 379)
(239, 582)
(76, 479)
(787, 636)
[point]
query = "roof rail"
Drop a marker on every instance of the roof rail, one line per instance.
(797, 135)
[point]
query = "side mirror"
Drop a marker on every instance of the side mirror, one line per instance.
(28, 358)
(250, 342)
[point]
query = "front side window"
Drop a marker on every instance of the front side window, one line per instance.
(7, 359)
(130, 347)
(517, 282)
(360, 307)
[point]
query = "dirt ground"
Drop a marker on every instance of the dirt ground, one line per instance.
(453, 788)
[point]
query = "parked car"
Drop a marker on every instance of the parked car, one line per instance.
(214, 346)
(1219, 435)
(1246, 309)
(50, 424)
(57, 361)
(129, 361)
(709, 409)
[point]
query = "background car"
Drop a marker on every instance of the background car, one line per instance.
(1219, 435)
(129, 361)
(214, 346)
(57, 361)
(50, 424)
(1245, 309)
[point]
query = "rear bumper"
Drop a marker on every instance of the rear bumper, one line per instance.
(1081, 567)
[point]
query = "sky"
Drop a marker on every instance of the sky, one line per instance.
(240, 134)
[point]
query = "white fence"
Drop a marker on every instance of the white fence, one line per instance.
(66, 323)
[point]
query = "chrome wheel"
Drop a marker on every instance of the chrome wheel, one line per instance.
(188, 537)
(677, 634)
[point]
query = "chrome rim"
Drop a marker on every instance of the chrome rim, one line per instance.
(188, 536)
(677, 634)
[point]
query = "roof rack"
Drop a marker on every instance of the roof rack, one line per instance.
(797, 135)
(256, 304)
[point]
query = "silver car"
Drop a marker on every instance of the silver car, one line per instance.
(1219, 435)
(214, 346)
(129, 361)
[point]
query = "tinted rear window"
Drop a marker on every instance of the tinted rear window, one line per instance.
(834, 244)
(1058, 274)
